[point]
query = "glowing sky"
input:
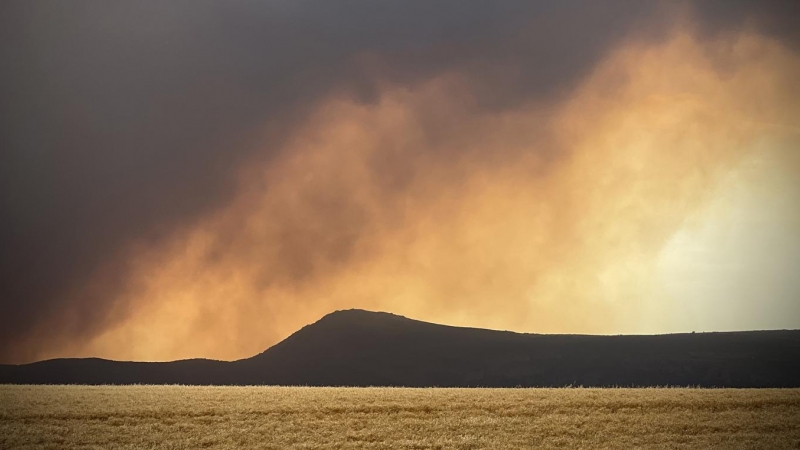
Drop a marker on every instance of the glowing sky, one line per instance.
(659, 192)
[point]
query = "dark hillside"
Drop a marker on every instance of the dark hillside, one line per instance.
(361, 348)
(103, 371)
(364, 348)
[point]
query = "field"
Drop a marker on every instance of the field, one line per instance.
(177, 417)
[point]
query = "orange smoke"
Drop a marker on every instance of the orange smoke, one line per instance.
(541, 219)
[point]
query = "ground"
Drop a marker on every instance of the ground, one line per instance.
(181, 417)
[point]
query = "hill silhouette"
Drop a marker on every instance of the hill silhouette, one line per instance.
(362, 348)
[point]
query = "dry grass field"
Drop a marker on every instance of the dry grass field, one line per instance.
(176, 417)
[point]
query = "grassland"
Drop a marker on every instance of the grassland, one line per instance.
(176, 417)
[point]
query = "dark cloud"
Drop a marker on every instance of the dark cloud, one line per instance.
(122, 121)
(777, 18)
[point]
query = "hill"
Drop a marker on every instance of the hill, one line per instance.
(361, 348)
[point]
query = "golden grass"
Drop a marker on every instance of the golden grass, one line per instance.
(178, 417)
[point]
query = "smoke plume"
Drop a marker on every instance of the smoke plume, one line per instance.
(203, 184)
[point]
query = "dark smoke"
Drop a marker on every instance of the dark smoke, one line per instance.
(120, 121)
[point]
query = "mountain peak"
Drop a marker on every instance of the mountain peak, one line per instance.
(360, 314)
(359, 319)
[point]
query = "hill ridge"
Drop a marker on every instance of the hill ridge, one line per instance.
(357, 347)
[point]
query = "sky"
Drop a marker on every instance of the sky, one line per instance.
(202, 178)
